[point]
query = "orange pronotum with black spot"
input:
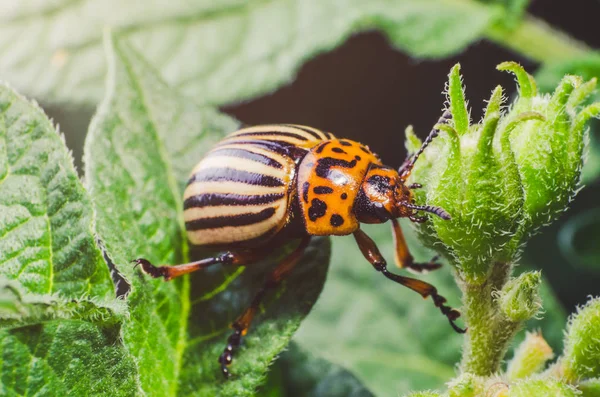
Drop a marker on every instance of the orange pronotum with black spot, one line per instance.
(270, 184)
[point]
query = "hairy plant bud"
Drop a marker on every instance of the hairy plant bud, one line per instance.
(519, 299)
(582, 343)
(504, 177)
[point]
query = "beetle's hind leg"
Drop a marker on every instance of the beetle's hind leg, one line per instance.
(402, 256)
(372, 254)
(242, 323)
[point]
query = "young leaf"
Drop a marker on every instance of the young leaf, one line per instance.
(46, 239)
(217, 52)
(141, 146)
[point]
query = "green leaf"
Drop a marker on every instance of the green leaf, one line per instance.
(303, 374)
(18, 309)
(217, 52)
(387, 335)
(141, 146)
(66, 357)
(61, 322)
(514, 11)
(46, 239)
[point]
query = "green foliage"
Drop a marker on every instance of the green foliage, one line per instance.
(66, 357)
(180, 39)
(60, 324)
(18, 309)
(46, 239)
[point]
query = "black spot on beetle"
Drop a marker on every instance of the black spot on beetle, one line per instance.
(322, 146)
(324, 164)
(317, 209)
(336, 220)
(305, 187)
(345, 143)
(344, 196)
(358, 158)
(364, 149)
(338, 150)
(322, 190)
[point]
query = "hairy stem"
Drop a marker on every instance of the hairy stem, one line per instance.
(490, 332)
(539, 41)
(479, 352)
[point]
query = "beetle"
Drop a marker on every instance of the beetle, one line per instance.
(271, 184)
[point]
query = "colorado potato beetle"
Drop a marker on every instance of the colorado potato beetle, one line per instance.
(270, 184)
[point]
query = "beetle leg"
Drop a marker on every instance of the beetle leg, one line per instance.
(402, 255)
(226, 258)
(371, 253)
(409, 163)
(242, 323)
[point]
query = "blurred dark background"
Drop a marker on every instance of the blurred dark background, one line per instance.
(368, 91)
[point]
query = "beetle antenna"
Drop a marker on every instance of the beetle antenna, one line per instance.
(428, 208)
(410, 161)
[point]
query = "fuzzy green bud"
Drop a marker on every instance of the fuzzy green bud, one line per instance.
(520, 300)
(533, 387)
(504, 177)
(582, 343)
(530, 357)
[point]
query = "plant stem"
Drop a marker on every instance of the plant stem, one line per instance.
(538, 41)
(489, 331)
(478, 353)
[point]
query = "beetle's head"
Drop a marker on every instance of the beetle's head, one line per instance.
(383, 195)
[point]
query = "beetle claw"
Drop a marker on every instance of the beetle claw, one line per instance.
(149, 268)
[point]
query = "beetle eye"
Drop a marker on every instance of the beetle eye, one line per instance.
(380, 212)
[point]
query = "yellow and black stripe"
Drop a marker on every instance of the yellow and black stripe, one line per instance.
(240, 190)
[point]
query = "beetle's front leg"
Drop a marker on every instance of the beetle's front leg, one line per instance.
(242, 323)
(238, 258)
(402, 256)
(371, 253)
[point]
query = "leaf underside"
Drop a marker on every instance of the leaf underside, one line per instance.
(216, 52)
